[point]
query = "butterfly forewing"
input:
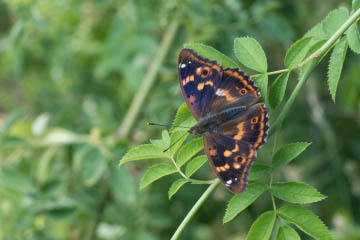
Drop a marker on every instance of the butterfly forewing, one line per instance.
(199, 79)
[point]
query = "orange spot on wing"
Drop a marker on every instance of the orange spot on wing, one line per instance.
(236, 148)
(210, 83)
(188, 79)
(216, 67)
(227, 166)
(236, 165)
(199, 70)
(212, 152)
(241, 132)
(200, 86)
(260, 138)
(227, 153)
(227, 95)
(192, 99)
(252, 153)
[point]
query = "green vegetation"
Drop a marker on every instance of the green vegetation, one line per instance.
(80, 79)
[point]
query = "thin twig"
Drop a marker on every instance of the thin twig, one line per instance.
(148, 80)
(194, 209)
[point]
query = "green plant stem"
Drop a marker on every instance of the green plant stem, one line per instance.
(148, 80)
(193, 181)
(271, 174)
(292, 97)
(194, 209)
(312, 61)
(178, 169)
(271, 73)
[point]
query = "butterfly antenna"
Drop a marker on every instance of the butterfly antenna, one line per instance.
(163, 125)
(168, 125)
(177, 140)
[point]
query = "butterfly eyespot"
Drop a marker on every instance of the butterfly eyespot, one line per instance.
(254, 120)
(243, 91)
(205, 72)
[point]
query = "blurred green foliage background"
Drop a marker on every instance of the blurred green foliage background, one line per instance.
(69, 70)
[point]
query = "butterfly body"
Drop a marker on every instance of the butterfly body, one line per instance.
(214, 122)
(233, 125)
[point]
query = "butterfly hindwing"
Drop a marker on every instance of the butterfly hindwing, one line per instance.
(199, 79)
(230, 159)
(252, 127)
(235, 89)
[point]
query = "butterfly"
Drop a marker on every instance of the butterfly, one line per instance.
(224, 103)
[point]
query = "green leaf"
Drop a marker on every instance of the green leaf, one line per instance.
(258, 171)
(175, 186)
(305, 220)
(164, 142)
(335, 66)
(262, 227)
(165, 138)
(176, 140)
(353, 38)
(212, 54)
(59, 209)
(156, 172)
(316, 33)
(262, 81)
(250, 53)
(296, 192)
(277, 90)
(287, 233)
(288, 152)
(334, 20)
(122, 185)
(183, 118)
(189, 150)
(240, 202)
(296, 53)
(92, 166)
(146, 151)
(16, 180)
(195, 164)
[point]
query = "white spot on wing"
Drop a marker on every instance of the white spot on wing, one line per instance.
(189, 62)
(235, 179)
(229, 182)
(183, 65)
(220, 93)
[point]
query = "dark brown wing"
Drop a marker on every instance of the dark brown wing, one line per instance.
(199, 79)
(230, 159)
(252, 127)
(232, 152)
(235, 89)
